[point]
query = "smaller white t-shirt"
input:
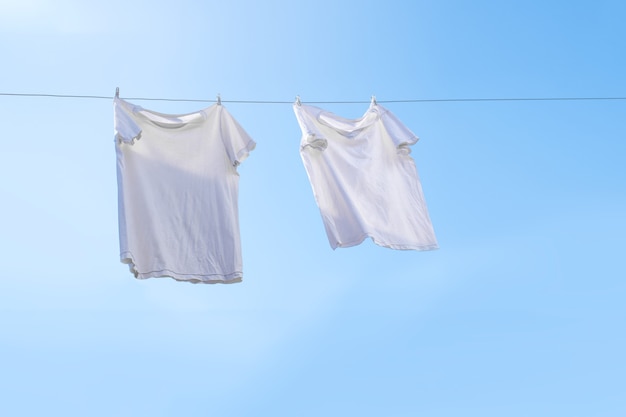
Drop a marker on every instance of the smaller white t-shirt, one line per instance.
(178, 191)
(364, 179)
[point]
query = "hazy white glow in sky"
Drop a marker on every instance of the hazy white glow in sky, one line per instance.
(46, 16)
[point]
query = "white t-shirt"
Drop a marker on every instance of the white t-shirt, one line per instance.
(364, 180)
(177, 192)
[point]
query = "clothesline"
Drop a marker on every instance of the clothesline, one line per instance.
(435, 100)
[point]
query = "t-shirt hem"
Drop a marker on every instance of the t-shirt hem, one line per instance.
(195, 279)
(397, 246)
(229, 278)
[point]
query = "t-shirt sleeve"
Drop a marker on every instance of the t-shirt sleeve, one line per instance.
(401, 136)
(125, 128)
(311, 135)
(236, 140)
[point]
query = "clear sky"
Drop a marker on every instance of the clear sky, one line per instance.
(521, 311)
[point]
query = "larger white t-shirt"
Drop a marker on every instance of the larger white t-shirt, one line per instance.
(364, 180)
(177, 192)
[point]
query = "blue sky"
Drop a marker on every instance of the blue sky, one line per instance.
(520, 312)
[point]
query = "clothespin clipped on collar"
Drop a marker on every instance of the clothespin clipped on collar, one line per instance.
(219, 100)
(373, 103)
(117, 92)
(298, 102)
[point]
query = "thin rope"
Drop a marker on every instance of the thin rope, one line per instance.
(435, 100)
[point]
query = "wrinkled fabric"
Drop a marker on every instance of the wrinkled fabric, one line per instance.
(178, 191)
(364, 179)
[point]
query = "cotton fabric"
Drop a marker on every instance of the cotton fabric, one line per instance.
(178, 189)
(364, 179)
